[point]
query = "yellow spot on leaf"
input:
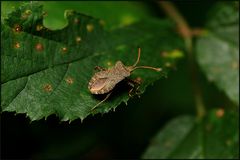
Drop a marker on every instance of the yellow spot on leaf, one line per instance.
(69, 80)
(78, 39)
(17, 45)
(28, 12)
(90, 27)
(174, 54)
(39, 27)
(47, 87)
(127, 19)
(17, 28)
(220, 113)
(64, 49)
(39, 47)
(109, 63)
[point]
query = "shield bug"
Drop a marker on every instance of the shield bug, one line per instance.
(105, 80)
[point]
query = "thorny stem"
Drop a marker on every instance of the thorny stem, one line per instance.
(186, 32)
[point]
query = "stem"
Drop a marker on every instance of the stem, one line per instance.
(186, 32)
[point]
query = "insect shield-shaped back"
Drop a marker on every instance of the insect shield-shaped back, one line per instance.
(105, 80)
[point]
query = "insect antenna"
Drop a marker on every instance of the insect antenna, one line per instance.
(139, 54)
(146, 67)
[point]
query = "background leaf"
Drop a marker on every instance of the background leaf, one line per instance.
(218, 50)
(216, 136)
(54, 67)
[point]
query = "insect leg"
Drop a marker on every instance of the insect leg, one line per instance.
(108, 95)
(132, 85)
(135, 87)
(99, 68)
(137, 91)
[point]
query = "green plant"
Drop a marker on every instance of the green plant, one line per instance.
(46, 67)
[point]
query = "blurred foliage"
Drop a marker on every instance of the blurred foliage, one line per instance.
(127, 132)
(216, 136)
(220, 38)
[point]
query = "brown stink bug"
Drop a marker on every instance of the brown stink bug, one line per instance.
(106, 79)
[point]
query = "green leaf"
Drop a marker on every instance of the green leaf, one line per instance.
(216, 136)
(8, 7)
(47, 72)
(122, 13)
(218, 50)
